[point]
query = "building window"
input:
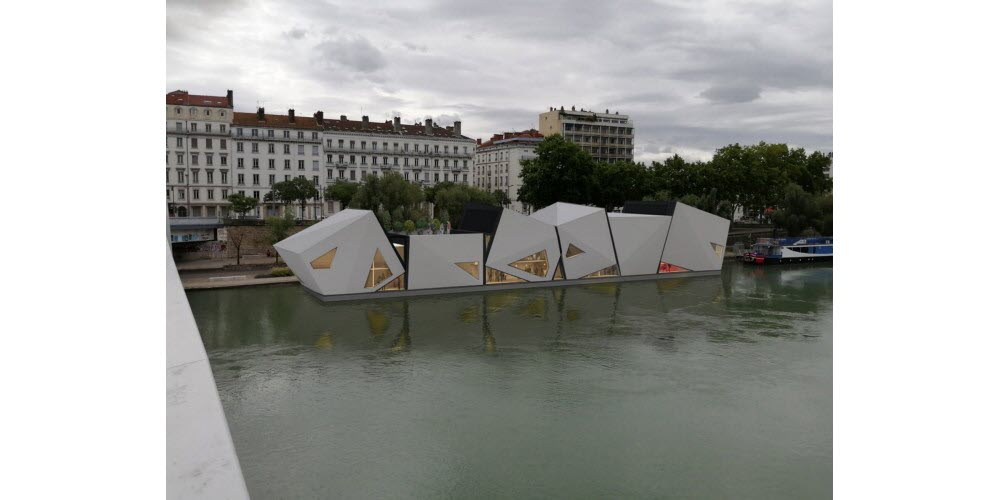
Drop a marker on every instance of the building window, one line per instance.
(352, 144)
(299, 135)
(302, 150)
(225, 194)
(270, 163)
(222, 128)
(270, 148)
(256, 163)
(315, 180)
(315, 150)
(210, 176)
(253, 147)
(329, 173)
(211, 194)
(352, 175)
(340, 143)
(256, 195)
(364, 160)
(270, 133)
(302, 164)
(194, 176)
(286, 134)
(256, 179)
(253, 132)
(288, 164)
(195, 195)
(194, 126)
(239, 179)
(208, 143)
(239, 147)
(316, 165)
(340, 174)
(208, 159)
(180, 142)
(225, 179)
(180, 194)
(288, 149)
(363, 145)
(223, 160)
(270, 180)
(180, 158)
(239, 131)
(315, 135)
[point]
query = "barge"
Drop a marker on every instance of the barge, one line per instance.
(790, 250)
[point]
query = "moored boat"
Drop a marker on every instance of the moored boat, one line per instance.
(790, 250)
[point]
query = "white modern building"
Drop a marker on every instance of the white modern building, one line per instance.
(608, 137)
(198, 154)
(498, 163)
(348, 255)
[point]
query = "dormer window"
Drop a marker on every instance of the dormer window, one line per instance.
(177, 110)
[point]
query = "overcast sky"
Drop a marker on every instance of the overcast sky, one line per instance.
(693, 75)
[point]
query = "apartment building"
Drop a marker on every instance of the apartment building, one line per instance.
(198, 163)
(423, 153)
(214, 152)
(498, 163)
(271, 148)
(608, 137)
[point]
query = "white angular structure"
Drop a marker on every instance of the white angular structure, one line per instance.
(639, 240)
(584, 238)
(346, 253)
(444, 260)
(524, 248)
(696, 240)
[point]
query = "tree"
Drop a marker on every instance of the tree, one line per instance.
(277, 230)
(501, 197)
(298, 189)
(241, 203)
(801, 211)
(389, 192)
(562, 171)
(615, 183)
(237, 237)
(341, 191)
(449, 201)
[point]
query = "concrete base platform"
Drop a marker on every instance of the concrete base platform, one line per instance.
(507, 286)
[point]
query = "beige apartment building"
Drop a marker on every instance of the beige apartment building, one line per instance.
(198, 163)
(498, 163)
(608, 137)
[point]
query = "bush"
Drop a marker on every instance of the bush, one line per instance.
(422, 223)
(277, 272)
(435, 225)
(409, 226)
(397, 226)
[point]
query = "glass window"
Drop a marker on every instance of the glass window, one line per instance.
(470, 267)
(379, 270)
(573, 251)
(324, 261)
(603, 273)
(670, 268)
(536, 263)
(493, 276)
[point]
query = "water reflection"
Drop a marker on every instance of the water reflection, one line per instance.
(742, 305)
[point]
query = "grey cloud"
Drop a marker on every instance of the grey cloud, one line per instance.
(415, 47)
(732, 93)
(296, 33)
(354, 52)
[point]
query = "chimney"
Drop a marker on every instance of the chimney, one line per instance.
(291, 115)
(561, 108)
(260, 114)
(479, 142)
(605, 111)
(364, 118)
(395, 124)
(428, 129)
(319, 117)
(458, 128)
(229, 97)
(343, 118)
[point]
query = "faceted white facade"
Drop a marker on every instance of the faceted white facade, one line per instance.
(518, 236)
(336, 255)
(444, 260)
(584, 237)
(639, 241)
(696, 240)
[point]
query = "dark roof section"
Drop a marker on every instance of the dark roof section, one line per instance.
(650, 207)
(182, 98)
(532, 134)
(386, 128)
(275, 121)
(480, 218)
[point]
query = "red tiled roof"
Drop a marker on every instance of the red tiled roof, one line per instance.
(506, 136)
(339, 125)
(274, 121)
(182, 98)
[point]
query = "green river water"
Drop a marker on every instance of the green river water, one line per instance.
(711, 387)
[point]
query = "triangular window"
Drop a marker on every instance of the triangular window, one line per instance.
(493, 277)
(604, 273)
(670, 268)
(559, 274)
(536, 263)
(718, 249)
(573, 251)
(379, 271)
(324, 261)
(470, 267)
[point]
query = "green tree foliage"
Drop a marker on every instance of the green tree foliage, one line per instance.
(803, 213)
(501, 197)
(435, 225)
(449, 201)
(409, 226)
(385, 219)
(562, 171)
(277, 230)
(616, 183)
(341, 191)
(390, 192)
(298, 189)
(241, 203)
